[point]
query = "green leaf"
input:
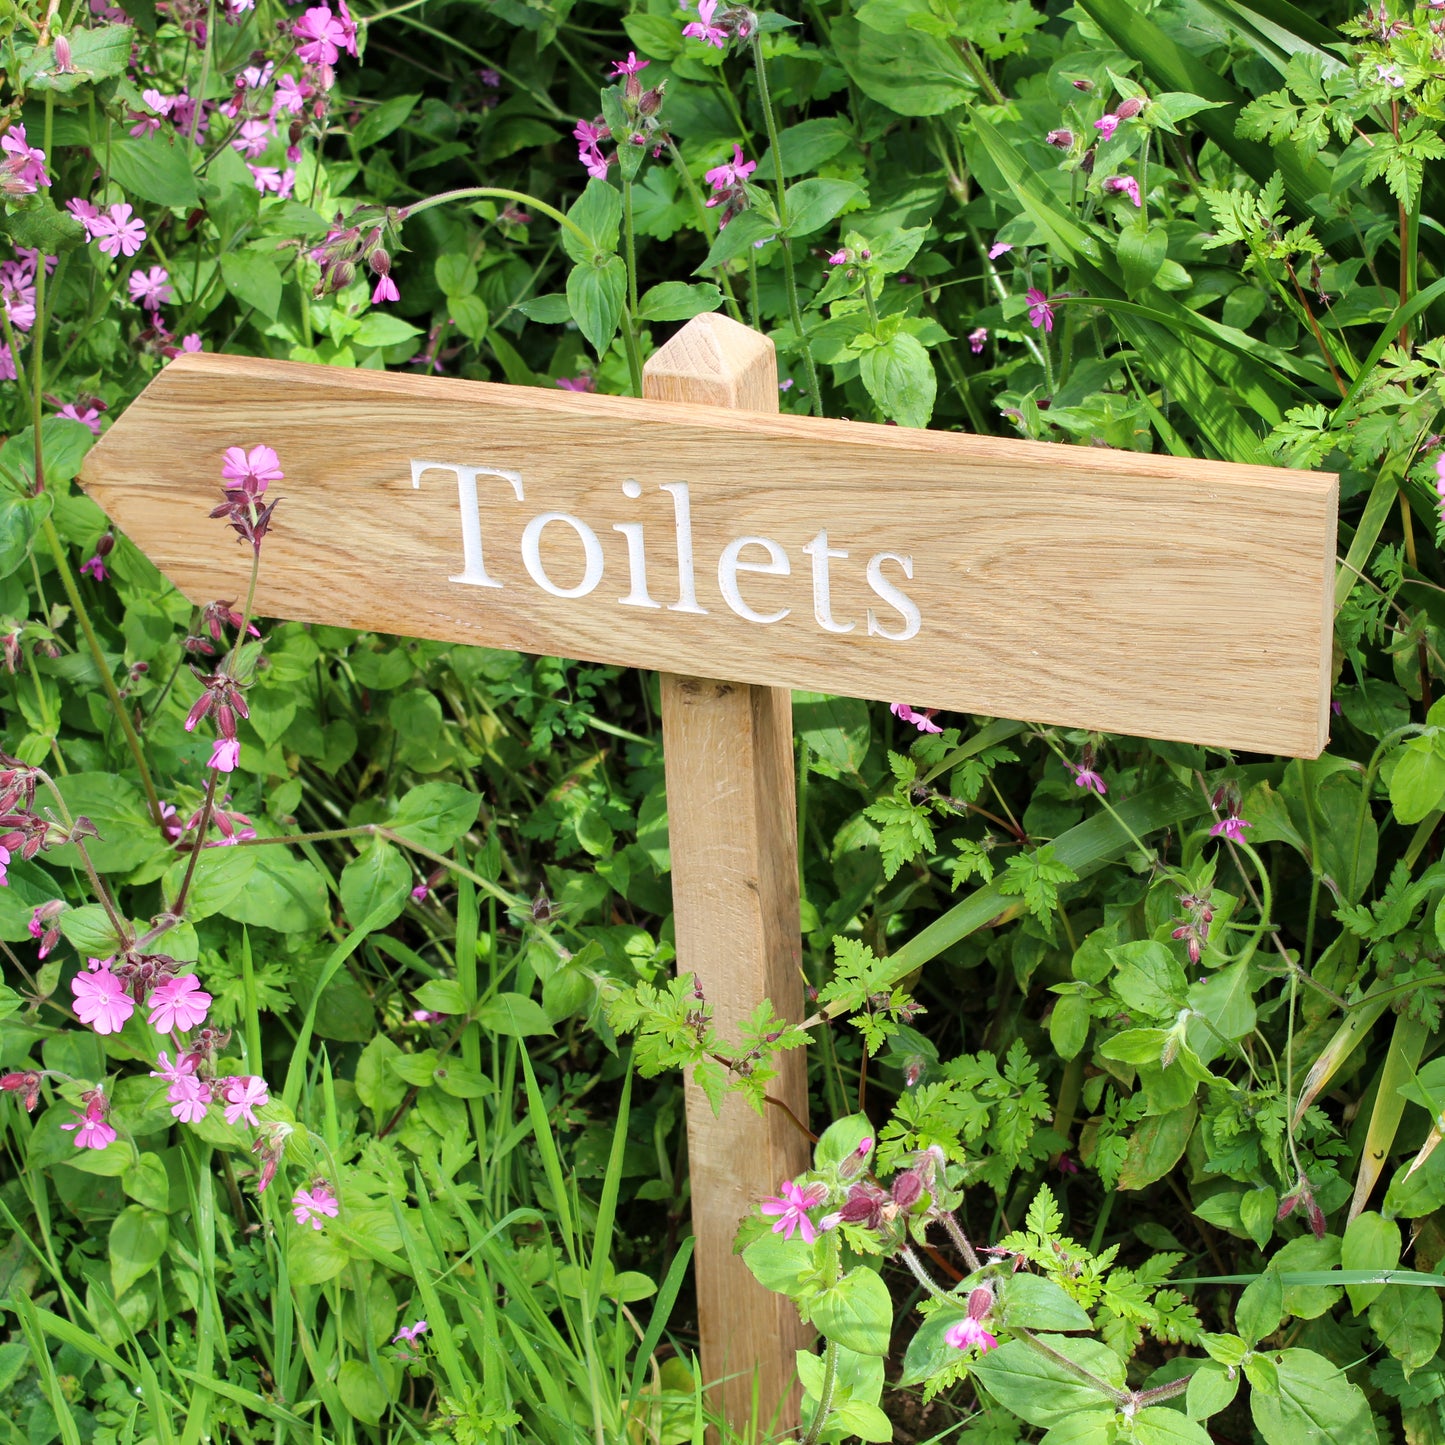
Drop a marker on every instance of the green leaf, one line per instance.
(435, 815)
(514, 1015)
(1417, 784)
(595, 295)
(597, 213)
(659, 36)
(1160, 1426)
(470, 315)
(1408, 1323)
(857, 1312)
(1156, 1146)
(96, 54)
(138, 1238)
(372, 127)
(805, 147)
(1316, 1405)
(551, 310)
(285, 893)
(381, 328)
(1212, 1388)
(442, 995)
(90, 930)
(1041, 1392)
(1259, 1310)
(1142, 250)
(899, 376)
(837, 730)
(19, 519)
(678, 301)
(146, 1181)
(360, 1387)
(254, 279)
(813, 203)
(1149, 979)
(128, 837)
(1031, 1302)
(456, 274)
(781, 1265)
(908, 73)
(1257, 1208)
(376, 882)
(738, 236)
(313, 1255)
(1371, 1242)
(154, 167)
(43, 226)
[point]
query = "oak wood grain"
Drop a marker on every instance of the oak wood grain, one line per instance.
(1133, 593)
(732, 824)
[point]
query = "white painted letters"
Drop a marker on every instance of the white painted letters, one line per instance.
(730, 562)
(729, 565)
(474, 572)
(912, 621)
(532, 554)
(636, 554)
(686, 585)
(820, 552)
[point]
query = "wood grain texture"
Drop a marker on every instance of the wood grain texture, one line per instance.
(1140, 594)
(732, 824)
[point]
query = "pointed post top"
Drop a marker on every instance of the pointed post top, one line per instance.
(718, 362)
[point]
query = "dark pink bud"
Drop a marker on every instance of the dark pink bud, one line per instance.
(1128, 109)
(980, 1301)
(1082, 84)
(907, 1189)
(1063, 139)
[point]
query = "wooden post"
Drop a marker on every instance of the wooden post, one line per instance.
(732, 817)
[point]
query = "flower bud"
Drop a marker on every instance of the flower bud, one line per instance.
(64, 65)
(380, 262)
(907, 1189)
(1082, 83)
(1063, 139)
(980, 1301)
(857, 1161)
(650, 101)
(1128, 109)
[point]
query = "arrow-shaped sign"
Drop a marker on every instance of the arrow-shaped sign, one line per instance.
(1105, 589)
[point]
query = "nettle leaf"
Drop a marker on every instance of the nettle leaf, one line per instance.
(899, 376)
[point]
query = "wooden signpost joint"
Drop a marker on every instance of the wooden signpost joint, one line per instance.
(743, 554)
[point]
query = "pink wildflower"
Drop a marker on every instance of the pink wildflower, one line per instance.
(289, 97)
(976, 339)
(310, 1205)
(411, 1333)
(119, 234)
(23, 169)
(95, 567)
(838, 258)
(151, 289)
(923, 721)
(189, 1097)
(630, 66)
(94, 1132)
(1085, 777)
(1106, 125)
(323, 35)
(252, 137)
(7, 364)
(158, 102)
(192, 342)
(999, 248)
(730, 173)
(967, 1333)
(250, 470)
(1231, 829)
(183, 1067)
(101, 1000)
(1041, 313)
(703, 29)
(178, 1003)
(1125, 186)
(86, 214)
(242, 1096)
(225, 755)
(89, 417)
(791, 1207)
(385, 291)
(577, 383)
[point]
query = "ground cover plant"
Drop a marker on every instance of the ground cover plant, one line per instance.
(343, 1033)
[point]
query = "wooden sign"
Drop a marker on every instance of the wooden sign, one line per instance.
(744, 553)
(1103, 589)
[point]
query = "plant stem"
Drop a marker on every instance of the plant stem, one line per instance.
(795, 314)
(960, 1239)
(72, 591)
(916, 1269)
(825, 1395)
(634, 353)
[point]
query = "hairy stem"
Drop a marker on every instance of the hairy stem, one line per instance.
(825, 1395)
